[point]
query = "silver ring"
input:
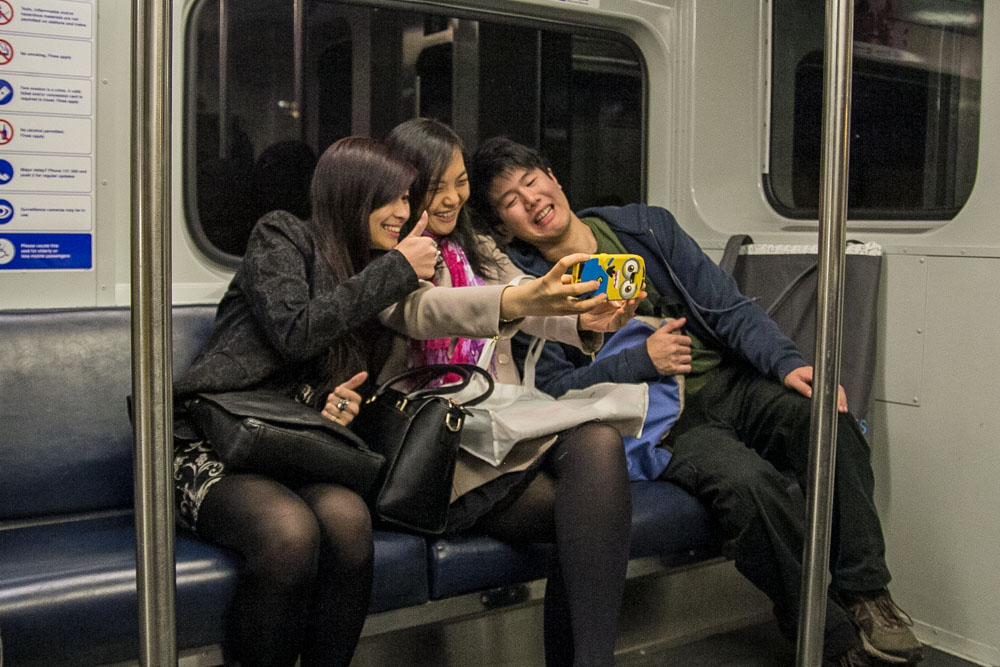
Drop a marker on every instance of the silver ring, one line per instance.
(342, 403)
(439, 256)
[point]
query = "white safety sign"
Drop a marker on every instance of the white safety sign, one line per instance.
(46, 135)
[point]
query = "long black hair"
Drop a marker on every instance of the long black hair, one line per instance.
(497, 156)
(429, 145)
(353, 177)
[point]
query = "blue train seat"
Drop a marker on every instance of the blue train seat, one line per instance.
(67, 536)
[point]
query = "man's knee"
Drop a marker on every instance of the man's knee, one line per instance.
(850, 439)
(758, 482)
(794, 409)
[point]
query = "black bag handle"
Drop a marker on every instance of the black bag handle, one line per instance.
(433, 371)
(732, 251)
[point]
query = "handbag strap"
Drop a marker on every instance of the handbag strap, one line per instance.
(531, 360)
(432, 371)
(486, 355)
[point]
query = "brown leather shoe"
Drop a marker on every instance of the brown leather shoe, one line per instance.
(884, 627)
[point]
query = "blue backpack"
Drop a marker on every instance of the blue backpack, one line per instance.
(645, 459)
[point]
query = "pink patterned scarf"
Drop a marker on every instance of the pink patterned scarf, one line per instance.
(466, 350)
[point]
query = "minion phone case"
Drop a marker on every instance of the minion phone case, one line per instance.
(620, 276)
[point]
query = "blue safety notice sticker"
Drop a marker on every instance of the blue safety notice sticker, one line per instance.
(46, 251)
(6, 211)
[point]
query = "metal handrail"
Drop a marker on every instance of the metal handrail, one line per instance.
(298, 60)
(151, 330)
(829, 310)
(224, 146)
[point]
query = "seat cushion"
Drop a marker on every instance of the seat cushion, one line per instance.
(666, 522)
(68, 592)
(400, 571)
(470, 564)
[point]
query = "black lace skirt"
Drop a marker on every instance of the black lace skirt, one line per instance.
(196, 470)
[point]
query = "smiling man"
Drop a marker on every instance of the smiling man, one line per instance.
(746, 419)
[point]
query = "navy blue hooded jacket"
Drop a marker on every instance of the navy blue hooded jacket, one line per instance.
(717, 313)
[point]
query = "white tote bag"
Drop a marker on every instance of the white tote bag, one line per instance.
(514, 413)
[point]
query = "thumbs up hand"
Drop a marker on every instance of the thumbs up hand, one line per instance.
(420, 251)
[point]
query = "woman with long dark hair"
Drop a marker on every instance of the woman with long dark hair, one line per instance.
(570, 489)
(299, 317)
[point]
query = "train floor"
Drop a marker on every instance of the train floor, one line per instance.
(753, 646)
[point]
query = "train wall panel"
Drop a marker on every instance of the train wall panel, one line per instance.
(936, 462)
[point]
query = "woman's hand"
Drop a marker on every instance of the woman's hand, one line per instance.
(552, 294)
(343, 403)
(610, 315)
(419, 250)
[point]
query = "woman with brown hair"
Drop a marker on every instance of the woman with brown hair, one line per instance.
(299, 317)
(571, 488)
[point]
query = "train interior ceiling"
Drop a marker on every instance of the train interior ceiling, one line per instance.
(712, 110)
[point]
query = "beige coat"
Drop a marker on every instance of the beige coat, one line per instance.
(436, 311)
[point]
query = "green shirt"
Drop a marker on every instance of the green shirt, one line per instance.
(704, 360)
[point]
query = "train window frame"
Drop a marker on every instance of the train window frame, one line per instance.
(562, 30)
(873, 63)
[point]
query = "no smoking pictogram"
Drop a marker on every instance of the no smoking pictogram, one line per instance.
(6, 12)
(6, 52)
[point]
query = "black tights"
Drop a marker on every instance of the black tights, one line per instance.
(307, 578)
(581, 500)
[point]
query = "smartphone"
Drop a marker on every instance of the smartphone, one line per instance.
(620, 276)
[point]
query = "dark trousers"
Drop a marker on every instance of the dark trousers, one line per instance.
(733, 448)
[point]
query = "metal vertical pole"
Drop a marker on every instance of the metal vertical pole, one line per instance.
(298, 60)
(823, 434)
(539, 121)
(465, 80)
(151, 331)
(224, 147)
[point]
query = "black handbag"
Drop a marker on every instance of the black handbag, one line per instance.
(418, 432)
(269, 433)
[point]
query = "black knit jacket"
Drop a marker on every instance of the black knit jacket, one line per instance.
(284, 309)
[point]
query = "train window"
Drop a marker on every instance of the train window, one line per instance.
(271, 83)
(915, 107)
